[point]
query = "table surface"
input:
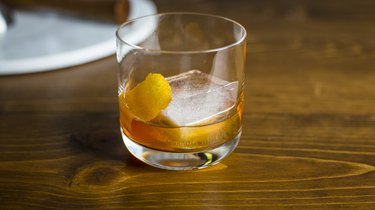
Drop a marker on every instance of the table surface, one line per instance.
(308, 137)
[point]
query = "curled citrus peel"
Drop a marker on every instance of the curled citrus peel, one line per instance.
(149, 97)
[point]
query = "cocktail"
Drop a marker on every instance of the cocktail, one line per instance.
(181, 88)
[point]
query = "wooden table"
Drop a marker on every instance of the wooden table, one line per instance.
(309, 127)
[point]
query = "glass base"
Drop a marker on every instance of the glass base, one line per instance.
(180, 160)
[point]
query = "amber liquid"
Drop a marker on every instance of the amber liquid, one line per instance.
(157, 135)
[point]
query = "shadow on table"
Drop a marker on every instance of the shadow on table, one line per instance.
(102, 138)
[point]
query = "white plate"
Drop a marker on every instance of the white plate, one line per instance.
(45, 41)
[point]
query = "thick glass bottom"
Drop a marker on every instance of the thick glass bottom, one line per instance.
(180, 160)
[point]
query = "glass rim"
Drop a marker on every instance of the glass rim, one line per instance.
(136, 46)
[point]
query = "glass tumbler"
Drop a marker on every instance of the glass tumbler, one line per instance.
(180, 89)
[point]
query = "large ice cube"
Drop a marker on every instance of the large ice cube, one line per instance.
(198, 97)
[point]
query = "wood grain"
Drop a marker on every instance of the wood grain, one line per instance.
(112, 11)
(309, 124)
